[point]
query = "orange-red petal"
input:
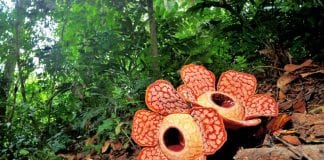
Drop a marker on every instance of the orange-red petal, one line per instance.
(260, 105)
(161, 97)
(212, 127)
(198, 78)
(145, 127)
(186, 93)
(151, 153)
(239, 84)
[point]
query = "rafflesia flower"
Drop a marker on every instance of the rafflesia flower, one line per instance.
(173, 130)
(234, 97)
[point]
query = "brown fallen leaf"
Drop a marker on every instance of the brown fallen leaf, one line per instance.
(88, 157)
(311, 73)
(285, 79)
(72, 156)
(117, 145)
(300, 105)
(266, 51)
(118, 157)
(67, 156)
(105, 146)
(91, 140)
(293, 67)
(307, 62)
(291, 139)
(287, 132)
(278, 122)
(282, 95)
(286, 105)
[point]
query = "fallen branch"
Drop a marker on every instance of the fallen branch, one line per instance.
(300, 153)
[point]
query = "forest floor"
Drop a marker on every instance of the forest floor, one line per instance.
(296, 133)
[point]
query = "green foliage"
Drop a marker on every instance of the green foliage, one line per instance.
(44, 153)
(58, 142)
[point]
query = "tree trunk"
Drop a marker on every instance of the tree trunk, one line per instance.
(6, 83)
(154, 44)
(16, 55)
(21, 79)
(17, 50)
(9, 70)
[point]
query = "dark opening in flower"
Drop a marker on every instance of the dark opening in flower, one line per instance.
(173, 139)
(223, 100)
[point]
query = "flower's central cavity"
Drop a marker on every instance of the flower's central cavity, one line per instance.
(173, 139)
(222, 100)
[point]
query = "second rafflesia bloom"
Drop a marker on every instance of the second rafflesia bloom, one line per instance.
(234, 97)
(172, 130)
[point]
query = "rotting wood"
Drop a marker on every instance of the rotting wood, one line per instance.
(310, 127)
(313, 152)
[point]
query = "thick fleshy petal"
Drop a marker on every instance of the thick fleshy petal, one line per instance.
(186, 93)
(239, 84)
(236, 124)
(198, 78)
(151, 153)
(260, 105)
(212, 127)
(146, 127)
(232, 112)
(180, 137)
(226, 105)
(161, 97)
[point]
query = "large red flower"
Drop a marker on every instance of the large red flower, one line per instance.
(173, 130)
(235, 98)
